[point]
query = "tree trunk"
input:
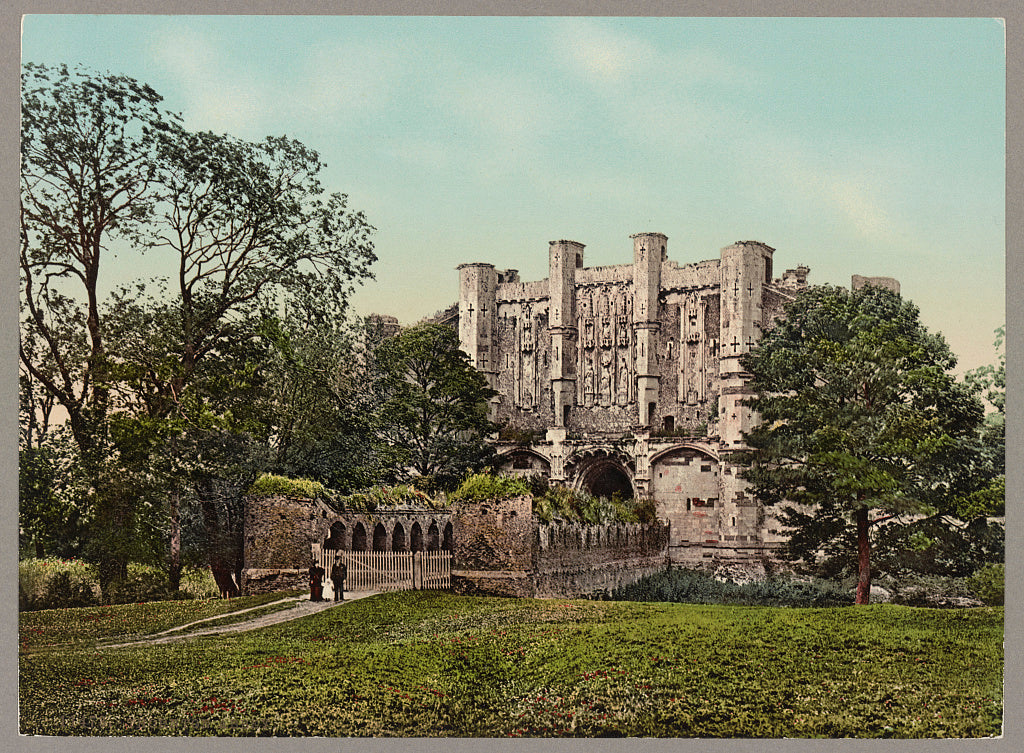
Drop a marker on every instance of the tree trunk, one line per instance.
(174, 573)
(221, 554)
(863, 557)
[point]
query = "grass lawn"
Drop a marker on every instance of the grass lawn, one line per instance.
(434, 664)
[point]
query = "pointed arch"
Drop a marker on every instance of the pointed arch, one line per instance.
(359, 538)
(380, 538)
(398, 538)
(336, 537)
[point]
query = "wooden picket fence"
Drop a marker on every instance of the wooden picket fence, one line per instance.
(389, 571)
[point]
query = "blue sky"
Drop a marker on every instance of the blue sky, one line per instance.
(854, 146)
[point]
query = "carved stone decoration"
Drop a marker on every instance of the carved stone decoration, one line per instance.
(623, 329)
(606, 332)
(606, 378)
(624, 379)
(527, 341)
(588, 383)
(529, 381)
(588, 333)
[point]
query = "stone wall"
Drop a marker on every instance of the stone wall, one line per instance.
(278, 534)
(502, 550)
(494, 544)
(576, 559)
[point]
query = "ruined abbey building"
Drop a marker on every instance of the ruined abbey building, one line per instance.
(626, 378)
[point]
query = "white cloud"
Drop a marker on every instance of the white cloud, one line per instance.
(214, 97)
(860, 207)
(344, 80)
(599, 52)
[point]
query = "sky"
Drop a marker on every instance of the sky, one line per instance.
(853, 146)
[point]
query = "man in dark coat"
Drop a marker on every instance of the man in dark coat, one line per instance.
(338, 574)
(316, 583)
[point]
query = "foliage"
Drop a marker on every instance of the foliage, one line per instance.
(990, 382)
(564, 503)
(378, 497)
(519, 436)
(50, 517)
(939, 545)
(989, 584)
(148, 584)
(319, 405)
(697, 587)
(427, 664)
(433, 404)
(269, 485)
(54, 583)
(861, 422)
(477, 487)
(167, 384)
(555, 501)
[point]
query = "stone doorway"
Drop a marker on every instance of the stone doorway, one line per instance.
(605, 478)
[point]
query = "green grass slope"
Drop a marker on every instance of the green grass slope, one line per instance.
(434, 664)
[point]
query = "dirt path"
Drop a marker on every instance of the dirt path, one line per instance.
(302, 607)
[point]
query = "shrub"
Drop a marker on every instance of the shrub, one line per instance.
(144, 583)
(482, 486)
(913, 589)
(988, 584)
(65, 590)
(376, 497)
(269, 485)
(59, 584)
(696, 587)
(568, 504)
(198, 583)
(53, 583)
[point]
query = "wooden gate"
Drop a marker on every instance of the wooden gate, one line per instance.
(389, 571)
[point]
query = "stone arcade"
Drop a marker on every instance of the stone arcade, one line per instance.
(627, 379)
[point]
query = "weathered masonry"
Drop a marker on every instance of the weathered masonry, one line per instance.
(626, 378)
(278, 533)
(502, 549)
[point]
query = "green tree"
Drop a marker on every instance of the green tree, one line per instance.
(861, 422)
(990, 382)
(319, 405)
(88, 179)
(433, 405)
(149, 374)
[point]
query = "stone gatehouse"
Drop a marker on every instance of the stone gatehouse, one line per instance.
(626, 378)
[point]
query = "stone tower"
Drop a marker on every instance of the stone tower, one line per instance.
(746, 268)
(478, 285)
(649, 251)
(564, 258)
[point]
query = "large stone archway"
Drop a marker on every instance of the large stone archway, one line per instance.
(603, 474)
